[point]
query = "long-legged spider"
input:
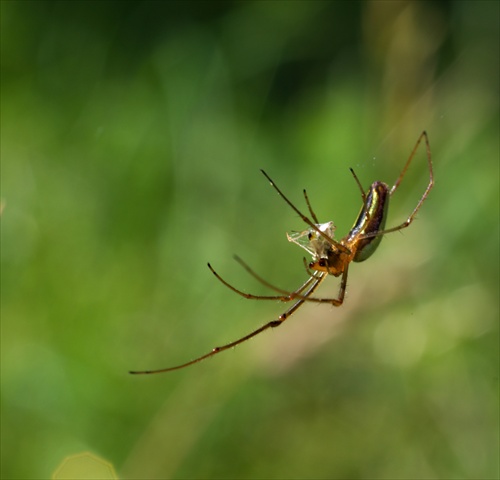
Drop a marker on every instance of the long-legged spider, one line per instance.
(329, 256)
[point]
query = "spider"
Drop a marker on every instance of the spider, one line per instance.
(329, 256)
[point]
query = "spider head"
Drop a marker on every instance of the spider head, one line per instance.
(333, 264)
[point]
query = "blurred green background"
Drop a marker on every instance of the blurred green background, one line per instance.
(132, 134)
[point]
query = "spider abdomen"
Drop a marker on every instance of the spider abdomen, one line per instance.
(371, 219)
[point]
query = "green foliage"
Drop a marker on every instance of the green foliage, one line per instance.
(132, 134)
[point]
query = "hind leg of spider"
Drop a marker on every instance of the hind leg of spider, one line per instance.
(363, 194)
(410, 219)
(410, 158)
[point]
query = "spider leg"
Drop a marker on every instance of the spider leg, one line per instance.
(410, 219)
(305, 219)
(363, 194)
(297, 293)
(306, 266)
(216, 350)
(410, 158)
(313, 215)
(343, 285)
(288, 296)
